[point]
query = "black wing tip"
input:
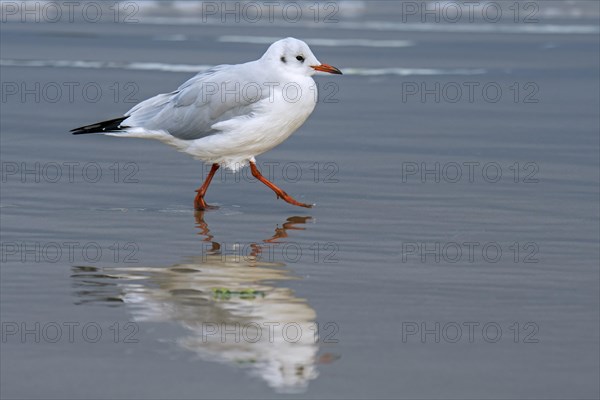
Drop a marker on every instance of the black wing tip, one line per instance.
(100, 127)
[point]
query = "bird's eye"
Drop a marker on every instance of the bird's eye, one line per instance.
(300, 58)
(283, 60)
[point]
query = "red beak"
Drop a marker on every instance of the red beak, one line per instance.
(327, 68)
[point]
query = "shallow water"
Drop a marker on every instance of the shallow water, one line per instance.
(453, 251)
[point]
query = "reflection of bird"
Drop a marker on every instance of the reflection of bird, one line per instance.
(229, 305)
(230, 113)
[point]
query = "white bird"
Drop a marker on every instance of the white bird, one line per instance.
(231, 113)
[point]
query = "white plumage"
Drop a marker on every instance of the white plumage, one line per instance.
(231, 113)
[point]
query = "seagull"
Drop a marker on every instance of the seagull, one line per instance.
(230, 114)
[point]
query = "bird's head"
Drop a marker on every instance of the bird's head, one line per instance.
(295, 56)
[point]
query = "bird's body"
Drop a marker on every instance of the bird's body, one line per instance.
(230, 113)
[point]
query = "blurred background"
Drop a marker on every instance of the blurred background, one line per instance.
(453, 251)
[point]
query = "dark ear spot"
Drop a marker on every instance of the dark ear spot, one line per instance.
(283, 59)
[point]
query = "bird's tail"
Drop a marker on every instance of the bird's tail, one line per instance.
(112, 125)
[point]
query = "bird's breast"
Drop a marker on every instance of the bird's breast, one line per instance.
(272, 120)
(293, 103)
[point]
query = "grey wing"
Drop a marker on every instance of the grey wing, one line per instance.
(190, 112)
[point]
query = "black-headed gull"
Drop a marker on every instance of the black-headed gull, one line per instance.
(231, 113)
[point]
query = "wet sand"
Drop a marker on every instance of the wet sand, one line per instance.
(413, 226)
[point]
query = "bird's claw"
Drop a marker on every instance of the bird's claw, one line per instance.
(206, 207)
(200, 205)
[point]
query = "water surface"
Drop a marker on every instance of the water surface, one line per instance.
(431, 215)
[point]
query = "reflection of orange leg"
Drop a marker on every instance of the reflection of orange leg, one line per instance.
(290, 224)
(200, 223)
(205, 231)
(280, 193)
(199, 203)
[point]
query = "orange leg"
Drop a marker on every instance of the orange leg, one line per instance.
(280, 193)
(199, 203)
